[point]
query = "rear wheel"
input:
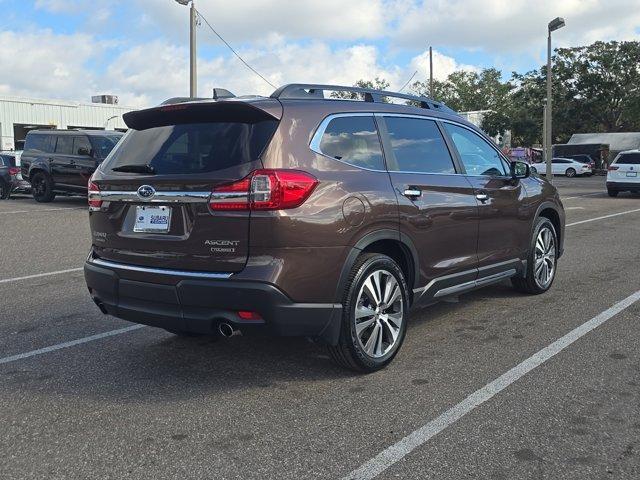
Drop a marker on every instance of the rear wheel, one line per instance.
(542, 259)
(5, 190)
(42, 188)
(612, 193)
(374, 312)
(571, 172)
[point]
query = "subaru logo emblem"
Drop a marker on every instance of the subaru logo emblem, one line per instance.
(146, 192)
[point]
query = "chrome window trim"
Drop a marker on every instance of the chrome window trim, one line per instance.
(162, 271)
(314, 145)
(159, 197)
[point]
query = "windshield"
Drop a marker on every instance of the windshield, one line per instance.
(103, 145)
(192, 147)
(628, 159)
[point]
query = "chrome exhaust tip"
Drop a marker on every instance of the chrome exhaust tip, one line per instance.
(226, 330)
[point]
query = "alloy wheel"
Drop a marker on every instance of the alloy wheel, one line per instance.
(379, 313)
(545, 257)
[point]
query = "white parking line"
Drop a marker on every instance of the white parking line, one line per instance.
(406, 445)
(38, 275)
(582, 195)
(43, 210)
(603, 217)
(71, 343)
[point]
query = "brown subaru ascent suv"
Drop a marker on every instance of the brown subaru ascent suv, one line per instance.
(304, 214)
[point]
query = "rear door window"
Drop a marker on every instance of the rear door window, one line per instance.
(81, 144)
(629, 159)
(193, 147)
(353, 140)
(64, 145)
(418, 146)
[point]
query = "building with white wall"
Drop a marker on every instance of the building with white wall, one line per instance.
(18, 115)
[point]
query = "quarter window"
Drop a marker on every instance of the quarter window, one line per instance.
(476, 154)
(353, 140)
(418, 146)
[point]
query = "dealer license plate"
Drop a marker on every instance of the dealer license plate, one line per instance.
(152, 219)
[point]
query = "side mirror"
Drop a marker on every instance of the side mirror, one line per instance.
(520, 170)
(84, 151)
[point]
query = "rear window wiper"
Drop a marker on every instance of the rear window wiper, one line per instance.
(135, 168)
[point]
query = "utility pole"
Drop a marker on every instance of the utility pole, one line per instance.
(193, 76)
(430, 72)
(554, 24)
(193, 89)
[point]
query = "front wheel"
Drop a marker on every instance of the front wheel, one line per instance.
(542, 260)
(571, 172)
(42, 188)
(374, 313)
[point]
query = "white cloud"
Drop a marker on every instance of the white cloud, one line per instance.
(442, 65)
(508, 26)
(44, 64)
(249, 20)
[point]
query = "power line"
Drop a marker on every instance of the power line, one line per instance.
(233, 51)
(407, 82)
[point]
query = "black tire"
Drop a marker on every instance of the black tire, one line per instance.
(5, 190)
(571, 172)
(42, 188)
(350, 353)
(612, 193)
(529, 284)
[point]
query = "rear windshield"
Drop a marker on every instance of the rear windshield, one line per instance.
(102, 146)
(191, 148)
(629, 159)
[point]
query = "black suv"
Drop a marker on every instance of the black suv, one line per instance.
(62, 161)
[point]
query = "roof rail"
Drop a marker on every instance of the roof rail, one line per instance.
(316, 91)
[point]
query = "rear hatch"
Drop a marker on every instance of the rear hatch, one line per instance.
(625, 168)
(150, 198)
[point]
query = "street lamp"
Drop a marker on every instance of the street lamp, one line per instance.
(106, 123)
(193, 86)
(554, 25)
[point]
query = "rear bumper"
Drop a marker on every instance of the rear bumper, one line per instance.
(169, 300)
(624, 186)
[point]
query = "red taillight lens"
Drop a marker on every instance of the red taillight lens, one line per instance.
(93, 190)
(613, 167)
(246, 315)
(265, 190)
(14, 170)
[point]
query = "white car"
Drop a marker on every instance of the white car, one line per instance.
(570, 167)
(623, 173)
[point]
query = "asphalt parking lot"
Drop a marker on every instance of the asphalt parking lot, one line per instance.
(142, 403)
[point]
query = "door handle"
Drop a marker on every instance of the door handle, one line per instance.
(412, 192)
(483, 197)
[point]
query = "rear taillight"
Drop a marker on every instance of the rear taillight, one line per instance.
(612, 167)
(94, 190)
(264, 190)
(14, 171)
(248, 315)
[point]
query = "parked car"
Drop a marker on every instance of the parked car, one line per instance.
(10, 178)
(569, 167)
(584, 158)
(623, 173)
(62, 161)
(303, 215)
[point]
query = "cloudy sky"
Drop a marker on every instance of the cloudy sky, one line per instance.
(138, 49)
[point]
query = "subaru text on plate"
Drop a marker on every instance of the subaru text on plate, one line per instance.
(306, 215)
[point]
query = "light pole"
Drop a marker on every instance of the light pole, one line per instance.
(193, 84)
(106, 122)
(554, 24)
